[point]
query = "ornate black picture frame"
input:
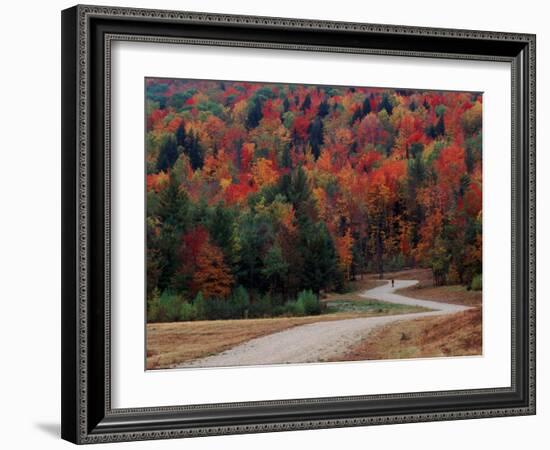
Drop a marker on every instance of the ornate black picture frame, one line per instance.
(87, 34)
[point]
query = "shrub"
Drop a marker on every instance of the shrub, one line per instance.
(476, 282)
(153, 306)
(280, 310)
(295, 309)
(170, 305)
(188, 312)
(261, 307)
(239, 302)
(308, 303)
(216, 309)
(200, 306)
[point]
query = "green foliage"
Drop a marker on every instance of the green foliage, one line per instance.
(385, 104)
(240, 302)
(262, 307)
(308, 303)
(254, 113)
(187, 312)
(476, 282)
(192, 148)
(316, 136)
(156, 93)
(440, 110)
(366, 106)
(319, 256)
(211, 107)
(170, 305)
(275, 267)
(200, 306)
(153, 306)
(168, 154)
(178, 99)
(440, 126)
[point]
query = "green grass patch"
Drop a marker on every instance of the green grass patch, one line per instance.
(369, 306)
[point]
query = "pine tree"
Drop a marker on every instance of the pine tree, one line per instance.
(440, 126)
(324, 109)
(275, 267)
(180, 135)
(366, 106)
(193, 150)
(319, 257)
(316, 136)
(307, 103)
(385, 104)
(168, 154)
(357, 115)
(254, 114)
(286, 104)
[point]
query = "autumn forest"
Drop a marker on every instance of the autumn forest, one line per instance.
(262, 197)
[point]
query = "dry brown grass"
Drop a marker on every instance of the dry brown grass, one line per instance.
(169, 344)
(456, 335)
(448, 294)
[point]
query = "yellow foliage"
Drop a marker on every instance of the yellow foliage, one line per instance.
(263, 172)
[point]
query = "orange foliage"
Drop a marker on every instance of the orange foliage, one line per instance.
(264, 173)
(212, 277)
(344, 246)
(451, 165)
(157, 181)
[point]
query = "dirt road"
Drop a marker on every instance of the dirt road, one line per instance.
(317, 342)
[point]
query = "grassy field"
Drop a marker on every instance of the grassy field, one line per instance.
(456, 294)
(169, 344)
(456, 335)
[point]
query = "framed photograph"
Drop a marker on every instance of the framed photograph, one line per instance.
(280, 224)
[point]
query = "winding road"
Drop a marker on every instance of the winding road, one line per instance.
(321, 341)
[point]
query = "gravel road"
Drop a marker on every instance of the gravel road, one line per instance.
(317, 342)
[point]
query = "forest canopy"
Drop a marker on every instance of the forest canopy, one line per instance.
(260, 194)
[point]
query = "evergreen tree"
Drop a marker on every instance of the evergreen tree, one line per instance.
(366, 106)
(316, 136)
(286, 104)
(307, 103)
(275, 267)
(357, 115)
(440, 126)
(385, 104)
(298, 192)
(180, 135)
(286, 159)
(324, 109)
(254, 114)
(320, 258)
(174, 219)
(193, 150)
(168, 154)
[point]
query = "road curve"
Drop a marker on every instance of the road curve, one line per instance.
(320, 341)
